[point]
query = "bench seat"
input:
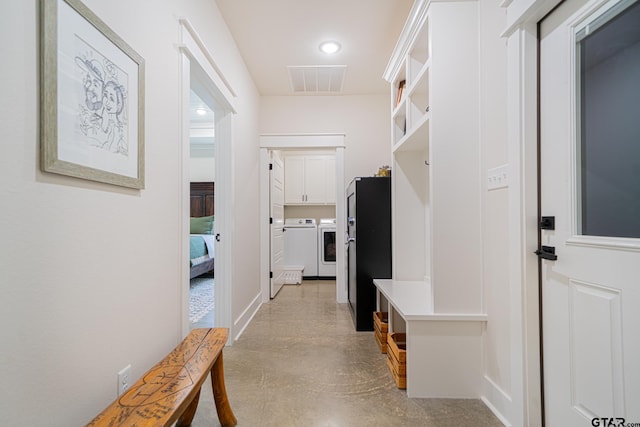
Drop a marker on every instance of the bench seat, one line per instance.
(170, 391)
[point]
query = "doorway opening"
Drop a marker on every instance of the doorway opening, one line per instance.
(302, 206)
(203, 83)
(301, 145)
(201, 207)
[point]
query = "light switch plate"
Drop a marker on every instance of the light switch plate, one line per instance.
(498, 177)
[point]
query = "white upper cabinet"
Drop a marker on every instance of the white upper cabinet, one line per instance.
(309, 179)
(294, 180)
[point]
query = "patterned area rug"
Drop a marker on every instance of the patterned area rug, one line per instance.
(200, 298)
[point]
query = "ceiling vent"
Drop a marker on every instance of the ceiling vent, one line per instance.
(317, 79)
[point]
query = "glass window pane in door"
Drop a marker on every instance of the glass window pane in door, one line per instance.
(609, 126)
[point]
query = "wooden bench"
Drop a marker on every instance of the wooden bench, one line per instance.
(170, 391)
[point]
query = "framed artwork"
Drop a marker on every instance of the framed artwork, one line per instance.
(92, 98)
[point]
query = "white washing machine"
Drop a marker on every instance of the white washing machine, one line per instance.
(301, 244)
(327, 248)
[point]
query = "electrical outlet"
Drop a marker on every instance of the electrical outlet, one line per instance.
(124, 379)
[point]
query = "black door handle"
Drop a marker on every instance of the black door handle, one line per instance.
(547, 252)
(218, 237)
(548, 223)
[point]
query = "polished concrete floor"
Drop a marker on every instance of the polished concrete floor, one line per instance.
(301, 363)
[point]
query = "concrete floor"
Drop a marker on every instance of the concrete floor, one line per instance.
(301, 363)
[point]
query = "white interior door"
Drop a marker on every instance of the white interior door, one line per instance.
(276, 183)
(590, 184)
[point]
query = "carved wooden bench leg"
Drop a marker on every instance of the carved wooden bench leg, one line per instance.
(187, 417)
(225, 414)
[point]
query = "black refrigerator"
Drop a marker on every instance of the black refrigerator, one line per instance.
(369, 245)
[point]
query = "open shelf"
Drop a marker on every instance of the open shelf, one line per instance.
(417, 138)
(418, 98)
(419, 54)
(400, 122)
(411, 115)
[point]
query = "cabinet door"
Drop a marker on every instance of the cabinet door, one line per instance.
(315, 179)
(293, 180)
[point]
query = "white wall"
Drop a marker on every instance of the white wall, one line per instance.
(314, 211)
(495, 220)
(90, 273)
(365, 121)
(202, 169)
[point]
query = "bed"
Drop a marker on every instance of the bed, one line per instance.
(201, 241)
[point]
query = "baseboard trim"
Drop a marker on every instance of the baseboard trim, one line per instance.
(496, 399)
(247, 315)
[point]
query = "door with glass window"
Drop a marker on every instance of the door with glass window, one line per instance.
(590, 212)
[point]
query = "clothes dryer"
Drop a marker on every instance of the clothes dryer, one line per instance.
(327, 248)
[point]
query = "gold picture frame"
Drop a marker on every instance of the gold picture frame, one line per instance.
(92, 98)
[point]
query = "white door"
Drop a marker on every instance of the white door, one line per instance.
(590, 184)
(276, 178)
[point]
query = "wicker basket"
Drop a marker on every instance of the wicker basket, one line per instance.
(380, 328)
(397, 358)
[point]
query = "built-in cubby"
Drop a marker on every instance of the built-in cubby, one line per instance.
(400, 121)
(435, 294)
(419, 54)
(411, 214)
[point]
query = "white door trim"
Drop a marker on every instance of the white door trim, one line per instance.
(196, 58)
(522, 70)
(307, 140)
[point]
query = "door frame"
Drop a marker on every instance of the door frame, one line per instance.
(301, 141)
(196, 59)
(526, 404)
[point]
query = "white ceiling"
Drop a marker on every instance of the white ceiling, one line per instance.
(274, 34)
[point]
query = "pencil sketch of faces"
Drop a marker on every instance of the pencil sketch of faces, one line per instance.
(112, 104)
(93, 83)
(101, 117)
(112, 98)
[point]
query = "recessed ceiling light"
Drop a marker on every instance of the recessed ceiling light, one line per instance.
(201, 111)
(330, 47)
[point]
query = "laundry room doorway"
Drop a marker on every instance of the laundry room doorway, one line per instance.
(311, 168)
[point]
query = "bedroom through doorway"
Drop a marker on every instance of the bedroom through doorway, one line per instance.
(202, 207)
